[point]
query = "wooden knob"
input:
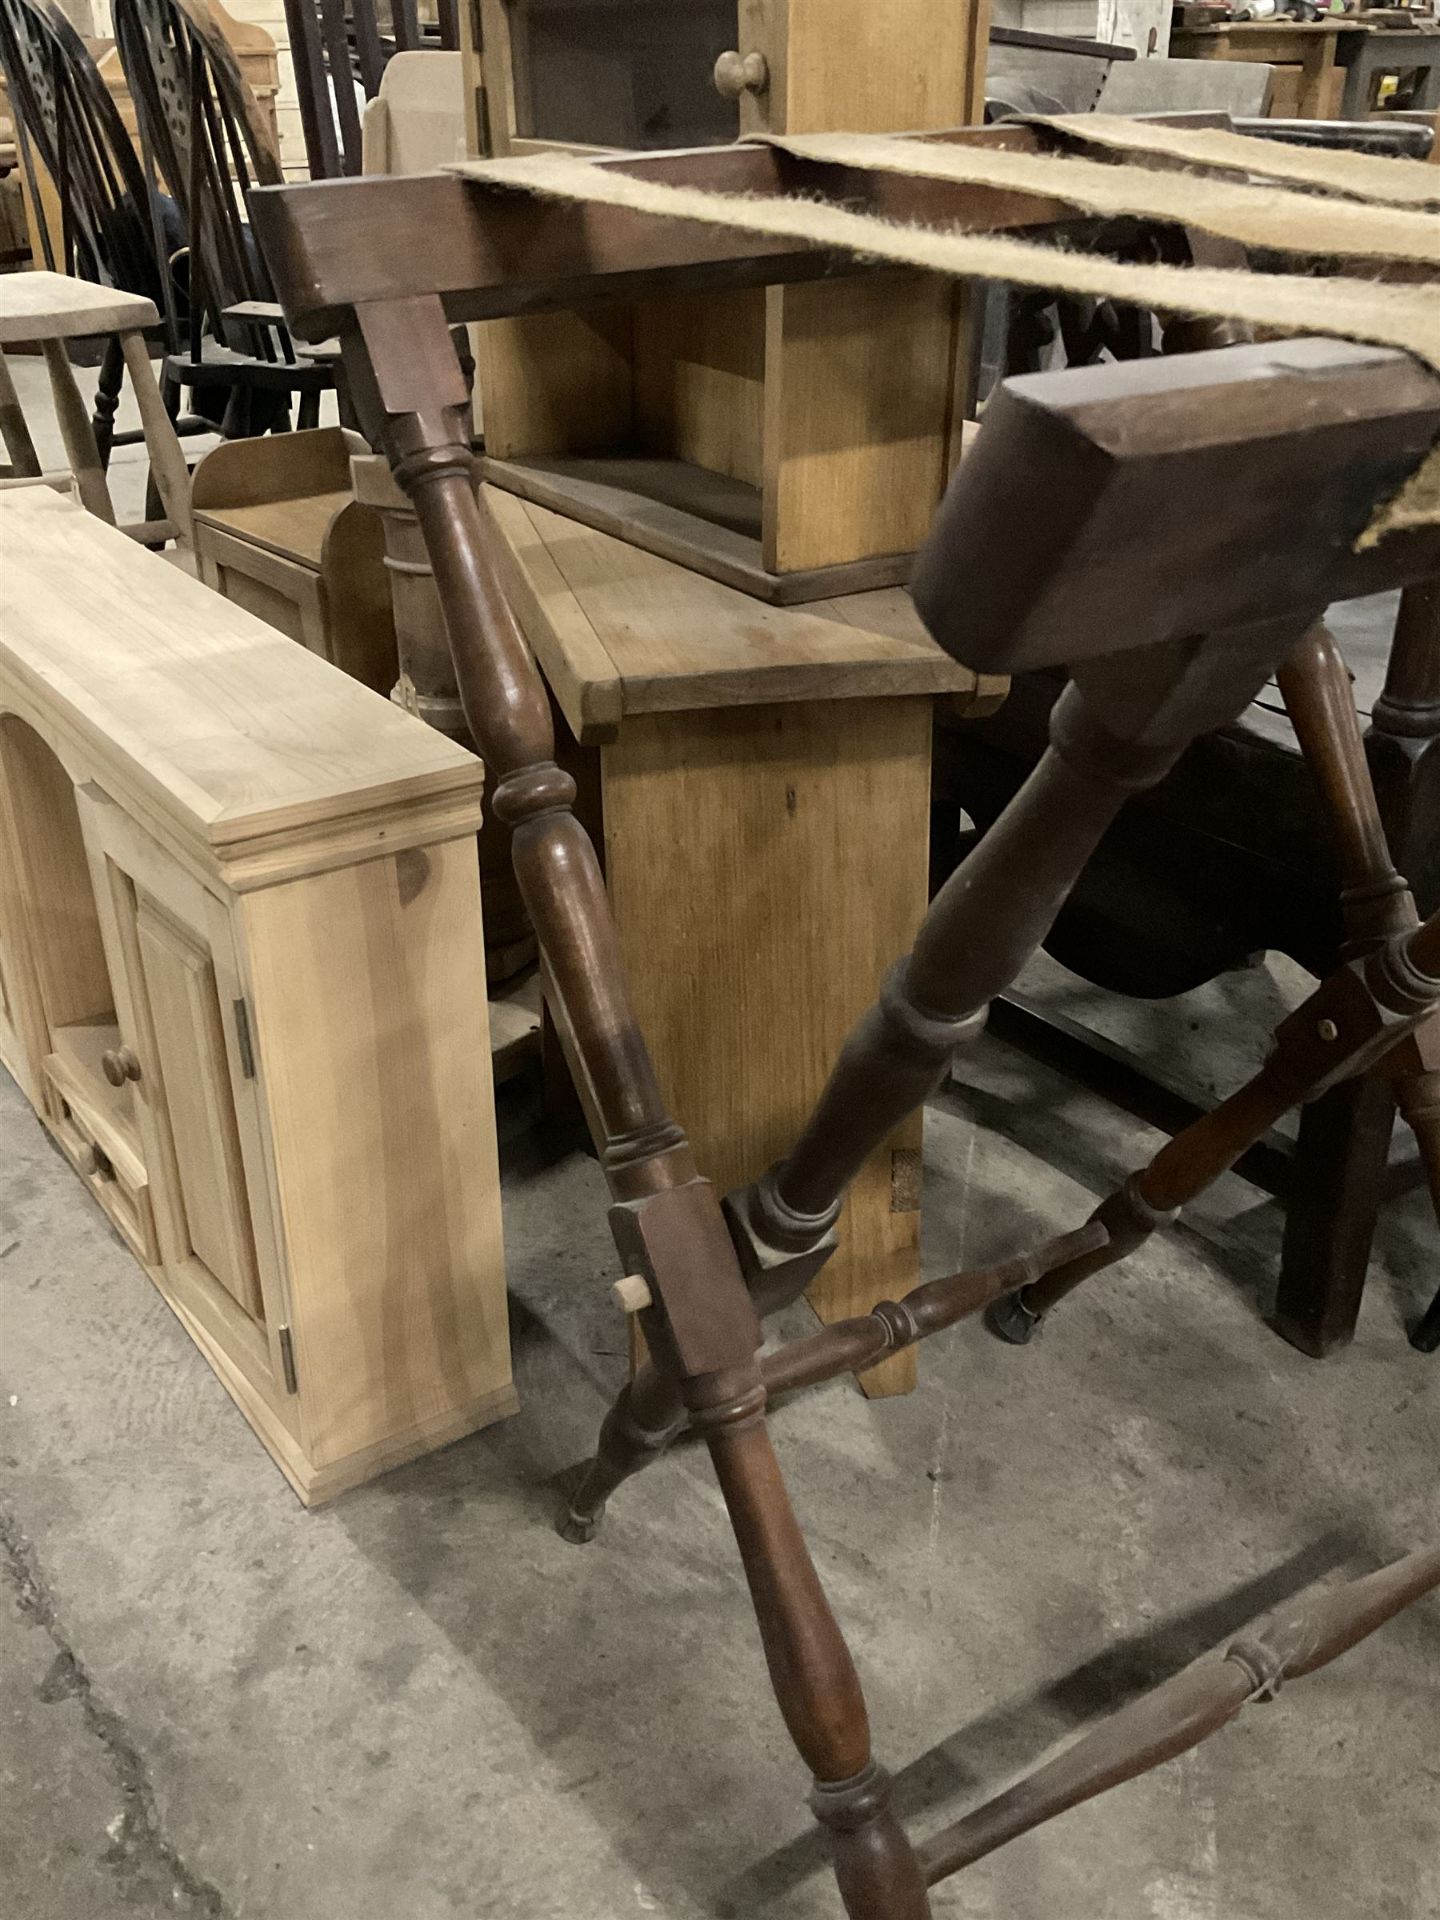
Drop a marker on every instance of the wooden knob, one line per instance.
(632, 1293)
(737, 73)
(118, 1064)
(88, 1161)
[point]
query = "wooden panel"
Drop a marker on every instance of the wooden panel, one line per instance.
(372, 1048)
(756, 941)
(858, 381)
(699, 372)
(190, 1039)
(907, 65)
(54, 879)
(555, 382)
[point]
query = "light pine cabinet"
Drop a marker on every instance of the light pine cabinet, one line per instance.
(244, 988)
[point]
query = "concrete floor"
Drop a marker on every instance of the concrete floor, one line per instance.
(419, 1702)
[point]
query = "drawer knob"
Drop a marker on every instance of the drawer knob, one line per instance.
(119, 1064)
(737, 73)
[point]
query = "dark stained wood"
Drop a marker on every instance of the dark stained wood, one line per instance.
(1142, 686)
(1180, 1713)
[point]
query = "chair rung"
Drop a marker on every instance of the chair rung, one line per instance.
(1186, 1709)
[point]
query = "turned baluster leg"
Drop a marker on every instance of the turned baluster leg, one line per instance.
(810, 1666)
(15, 429)
(667, 1224)
(1116, 730)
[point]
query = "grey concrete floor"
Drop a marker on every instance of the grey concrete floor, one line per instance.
(419, 1702)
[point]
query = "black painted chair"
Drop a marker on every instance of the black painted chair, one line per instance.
(337, 43)
(202, 133)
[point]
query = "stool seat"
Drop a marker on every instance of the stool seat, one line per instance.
(51, 306)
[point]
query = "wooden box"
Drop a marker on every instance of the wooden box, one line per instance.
(242, 983)
(790, 441)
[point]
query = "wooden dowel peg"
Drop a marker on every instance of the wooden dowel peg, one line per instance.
(632, 1294)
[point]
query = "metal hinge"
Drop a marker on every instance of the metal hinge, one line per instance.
(287, 1360)
(243, 1040)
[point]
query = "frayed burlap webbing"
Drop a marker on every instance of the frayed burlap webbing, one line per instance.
(1341, 308)
(1363, 176)
(1257, 215)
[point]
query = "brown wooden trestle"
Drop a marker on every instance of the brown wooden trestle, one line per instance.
(1038, 556)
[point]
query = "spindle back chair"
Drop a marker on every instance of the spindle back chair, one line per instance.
(203, 135)
(72, 144)
(1168, 621)
(337, 43)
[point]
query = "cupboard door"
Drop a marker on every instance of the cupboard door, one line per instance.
(213, 1209)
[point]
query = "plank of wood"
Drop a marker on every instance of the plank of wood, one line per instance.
(607, 619)
(858, 382)
(748, 963)
(384, 1152)
(207, 717)
(849, 64)
(295, 527)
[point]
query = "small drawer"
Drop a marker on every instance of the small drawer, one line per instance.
(112, 1172)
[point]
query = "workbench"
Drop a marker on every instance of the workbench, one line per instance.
(1324, 69)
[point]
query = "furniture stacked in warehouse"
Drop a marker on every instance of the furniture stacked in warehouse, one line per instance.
(715, 502)
(242, 984)
(54, 310)
(1314, 456)
(1332, 68)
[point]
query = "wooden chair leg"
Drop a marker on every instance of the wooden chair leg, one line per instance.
(107, 400)
(167, 462)
(666, 1221)
(14, 429)
(75, 431)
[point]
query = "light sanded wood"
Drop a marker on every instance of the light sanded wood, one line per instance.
(52, 306)
(303, 1158)
(858, 378)
(755, 939)
(555, 382)
(254, 750)
(52, 880)
(22, 460)
(179, 978)
(167, 462)
(699, 379)
(76, 431)
(606, 619)
(385, 1153)
(861, 66)
(417, 120)
(294, 527)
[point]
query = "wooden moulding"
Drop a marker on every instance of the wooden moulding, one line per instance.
(242, 954)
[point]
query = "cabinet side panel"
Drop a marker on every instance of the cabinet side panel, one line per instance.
(372, 1046)
(767, 865)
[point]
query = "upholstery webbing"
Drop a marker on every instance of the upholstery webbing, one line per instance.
(1340, 307)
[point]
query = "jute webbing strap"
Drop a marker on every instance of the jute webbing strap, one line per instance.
(1389, 315)
(1255, 214)
(1363, 176)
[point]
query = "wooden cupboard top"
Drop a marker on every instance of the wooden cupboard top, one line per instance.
(258, 752)
(618, 631)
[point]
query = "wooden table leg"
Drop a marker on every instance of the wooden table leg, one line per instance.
(1331, 1211)
(167, 461)
(14, 429)
(766, 866)
(77, 433)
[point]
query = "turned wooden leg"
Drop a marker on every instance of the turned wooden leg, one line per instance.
(80, 448)
(14, 428)
(107, 400)
(638, 1428)
(1116, 730)
(810, 1666)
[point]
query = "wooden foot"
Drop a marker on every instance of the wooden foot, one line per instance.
(638, 1428)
